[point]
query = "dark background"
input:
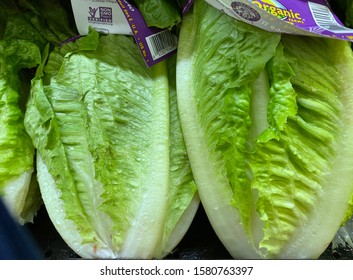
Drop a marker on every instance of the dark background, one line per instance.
(199, 243)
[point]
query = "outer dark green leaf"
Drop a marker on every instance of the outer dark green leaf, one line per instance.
(161, 14)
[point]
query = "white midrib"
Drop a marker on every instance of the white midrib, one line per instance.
(144, 236)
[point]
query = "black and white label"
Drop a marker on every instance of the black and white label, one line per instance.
(325, 19)
(161, 43)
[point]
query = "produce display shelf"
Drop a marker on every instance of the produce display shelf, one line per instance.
(199, 243)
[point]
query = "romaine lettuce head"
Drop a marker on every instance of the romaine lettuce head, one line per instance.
(25, 29)
(20, 48)
(112, 165)
(268, 125)
(16, 148)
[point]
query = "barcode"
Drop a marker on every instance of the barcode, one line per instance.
(324, 18)
(161, 43)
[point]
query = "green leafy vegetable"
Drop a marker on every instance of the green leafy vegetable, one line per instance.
(51, 18)
(268, 128)
(112, 165)
(162, 14)
(20, 48)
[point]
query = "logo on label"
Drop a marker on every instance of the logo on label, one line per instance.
(246, 12)
(100, 15)
(278, 10)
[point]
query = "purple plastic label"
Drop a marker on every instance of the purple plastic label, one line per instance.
(313, 17)
(154, 44)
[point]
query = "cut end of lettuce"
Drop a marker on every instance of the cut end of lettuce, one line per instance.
(22, 198)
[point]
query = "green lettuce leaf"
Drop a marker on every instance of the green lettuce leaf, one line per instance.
(266, 121)
(183, 191)
(20, 48)
(162, 14)
(17, 151)
(52, 19)
(26, 27)
(8, 8)
(101, 124)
